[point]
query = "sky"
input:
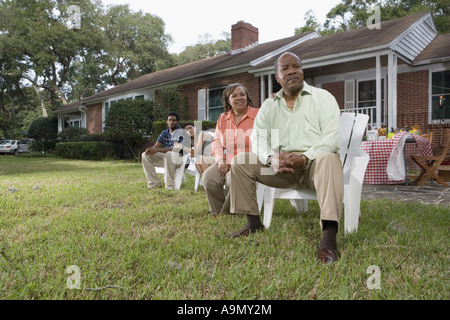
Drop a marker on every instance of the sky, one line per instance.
(187, 20)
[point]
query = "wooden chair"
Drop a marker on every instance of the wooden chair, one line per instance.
(430, 164)
(428, 136)
(354, 162)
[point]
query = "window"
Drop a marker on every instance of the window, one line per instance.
(215, 107)
(367, 97)
(106, 108)
(139, 97)
(75, 123)
(440, 87)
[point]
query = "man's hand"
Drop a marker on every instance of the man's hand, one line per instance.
(286, 162)
(150, 151)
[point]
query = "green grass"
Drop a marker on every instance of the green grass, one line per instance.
(133, 243)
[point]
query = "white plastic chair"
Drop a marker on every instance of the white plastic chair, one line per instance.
(354, 162)
(179, 172)
(192, 170)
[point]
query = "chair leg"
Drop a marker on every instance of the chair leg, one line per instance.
(269, 194)
(299, 205)
(197, 180)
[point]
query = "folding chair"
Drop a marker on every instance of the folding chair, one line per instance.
(430, 164)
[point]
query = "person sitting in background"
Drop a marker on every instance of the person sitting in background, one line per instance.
(231, 137)
(163, 155)
(202, 152)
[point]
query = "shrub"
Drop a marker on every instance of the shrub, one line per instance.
(129, 122)
(72, 134)
(44, 131)
(92, 150)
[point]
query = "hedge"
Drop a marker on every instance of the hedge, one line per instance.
(92, 150)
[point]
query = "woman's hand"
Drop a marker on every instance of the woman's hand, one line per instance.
(223, 168)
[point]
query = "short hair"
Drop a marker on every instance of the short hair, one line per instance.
(173, 113)
(227, 93)
(275, 65)
(188, 124)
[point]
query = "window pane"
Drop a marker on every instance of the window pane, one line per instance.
(214, 113)
(441, 82)
(367, 91)
(436, 112)
(215, 107)
(215, 97)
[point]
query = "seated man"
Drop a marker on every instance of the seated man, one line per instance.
(163, 154)
(306, 121)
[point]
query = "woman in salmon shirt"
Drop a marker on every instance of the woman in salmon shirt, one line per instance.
(231, 137)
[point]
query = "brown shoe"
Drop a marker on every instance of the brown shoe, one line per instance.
(327, 256)
(246, 232)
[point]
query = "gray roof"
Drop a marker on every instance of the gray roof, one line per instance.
(318, 50)
(198, 68)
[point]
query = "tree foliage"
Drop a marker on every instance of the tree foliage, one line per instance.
(351, 14)
(130, 122)
(44, 131)
(62, 62)
(205, 48)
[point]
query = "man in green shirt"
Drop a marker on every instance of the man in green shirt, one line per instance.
(295, 143)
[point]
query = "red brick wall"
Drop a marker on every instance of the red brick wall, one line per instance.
(94, 118)
(412, 99)
(247, 80)
(337, 89)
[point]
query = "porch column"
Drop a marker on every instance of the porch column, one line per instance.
(263, 89)
(392, 90)
(270, 84)
(60, 122)
(378, 91)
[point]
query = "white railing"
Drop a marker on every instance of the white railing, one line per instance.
(370, 111)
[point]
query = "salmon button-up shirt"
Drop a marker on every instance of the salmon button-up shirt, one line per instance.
(231, 139)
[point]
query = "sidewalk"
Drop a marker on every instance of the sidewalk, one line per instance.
(430, 193)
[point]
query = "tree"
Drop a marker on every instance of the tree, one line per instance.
(171, 99)
(136, 42)
(205, 48)
(311, 24)
(130, 122)
(44, 131)
(44, 46)
(350, 14)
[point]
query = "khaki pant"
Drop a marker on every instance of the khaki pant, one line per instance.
(324, 175)
(170, 161)
(217, 190)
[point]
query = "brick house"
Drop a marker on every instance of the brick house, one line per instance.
(395, 73)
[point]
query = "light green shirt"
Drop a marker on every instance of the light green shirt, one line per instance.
(313, 126)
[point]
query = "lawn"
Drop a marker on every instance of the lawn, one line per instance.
(92, 230)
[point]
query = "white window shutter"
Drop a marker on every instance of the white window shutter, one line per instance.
(349, 94)
(201, 104)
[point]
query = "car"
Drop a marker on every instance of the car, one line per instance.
(9, 146)
(24, 145)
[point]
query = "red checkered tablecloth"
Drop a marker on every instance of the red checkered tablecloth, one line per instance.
(380, 150)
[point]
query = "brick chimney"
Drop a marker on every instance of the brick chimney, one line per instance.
(243, 34)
